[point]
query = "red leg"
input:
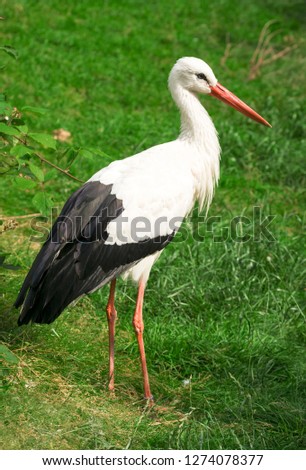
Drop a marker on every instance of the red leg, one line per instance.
(139, 327)
(111, 318)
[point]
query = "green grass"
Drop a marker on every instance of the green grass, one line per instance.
(225, 328)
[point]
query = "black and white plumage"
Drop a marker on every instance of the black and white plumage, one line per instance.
(124, 216)
(76, 258)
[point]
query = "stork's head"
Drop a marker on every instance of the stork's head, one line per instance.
(193, 74)
(196, 76)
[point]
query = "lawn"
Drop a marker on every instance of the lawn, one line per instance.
(224, 319)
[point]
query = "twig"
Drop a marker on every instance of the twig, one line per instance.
(227, 51)
(260, 41)
(280, 54)
(265, 49)
(264, 53)
(8, 217)
(270, 36)
(43, 159)
(72, 161)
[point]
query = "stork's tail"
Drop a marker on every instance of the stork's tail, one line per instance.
(52, 284)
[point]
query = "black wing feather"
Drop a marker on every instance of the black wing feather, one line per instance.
(75, 259)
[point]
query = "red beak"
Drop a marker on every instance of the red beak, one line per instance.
(226, 96)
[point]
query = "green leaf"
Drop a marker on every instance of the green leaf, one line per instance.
(7, 162)
(43, 203)
(51, 174)
(8, 130)
(7, 355)
(71, 155)
(34, 109)
(5, 108)
(20, 150)
(10, 51)
(37, 171)
(99, 152)
(45, 140)
(88, 154)
(24, 183)
(23, 128)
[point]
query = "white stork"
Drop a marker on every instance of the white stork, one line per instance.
(122, 218)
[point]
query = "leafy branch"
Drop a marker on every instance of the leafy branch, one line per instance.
(42, 137)
(23, 155)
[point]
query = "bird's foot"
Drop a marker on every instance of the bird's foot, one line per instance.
(150, 401)
(111, 389)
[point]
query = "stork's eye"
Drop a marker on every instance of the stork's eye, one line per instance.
(201, 76)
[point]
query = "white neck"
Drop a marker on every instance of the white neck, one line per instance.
(198, 130)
